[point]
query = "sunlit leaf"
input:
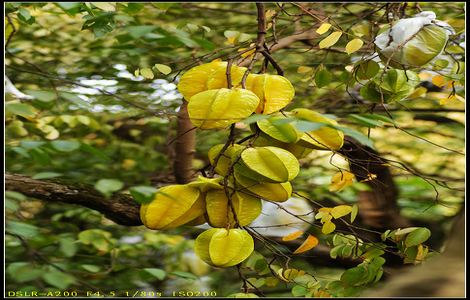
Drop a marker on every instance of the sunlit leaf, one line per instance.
(341, 180)
(417, 237)
(292, 236)
(163, 68)
(353, 46)
(147, 73)
(340, 211)
(330, 40)
(328, 227)
(323, 28)
(309, 243)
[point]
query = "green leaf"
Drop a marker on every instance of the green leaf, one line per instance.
(14, 196)
(322, 78)
(299, 291)
(44, 96)
(22, 229)
(23, 272)
(108, 186)
(21, 109)
(362, 120)
(367, 70)
(385, 235)
(157, 273)
(46, 175)
(31, 144)
(163, 6)
(68, 6)
(24, 14)
(379, 117)
(185, 275)
(58, 279)
(143, 194)
(75, 99)
(68, 246)
(65, 146)
(363, 139)
(354, 211)
(255, 118)
(139, 31)
(90, 149)
(417, 237)
(91, 268)
(257, 282)
(373, 252)
(307, 126)
(354, 276)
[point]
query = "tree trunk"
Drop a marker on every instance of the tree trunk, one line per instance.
(378, 208)
(184, 146)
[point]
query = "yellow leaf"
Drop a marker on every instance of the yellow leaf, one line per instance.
(248, 53)
(323, 28)
(147, 73)
(231, 40)
(330, 40)
(444, 101)
(340, 211)
(354, 45)
(418, 92)
(270, 13)
(309, 243)
(325, 209)
(137, 73)
(304, 69)
(341, 180)
(439, 80)
(328, 227)
(163, 68)
(292, 236)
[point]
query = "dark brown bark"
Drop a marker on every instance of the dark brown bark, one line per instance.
(119, 208)
(185, 144)
(378, 208)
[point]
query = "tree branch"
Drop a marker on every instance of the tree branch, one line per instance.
(120, 208)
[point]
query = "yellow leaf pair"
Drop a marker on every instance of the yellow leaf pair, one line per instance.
(324, 138)
(224, 160)
(267, 164)
(218, 108)
(208, 77)
(274, 91)
(297, 150)
(224, 248)
(173, 206)
(219, 211)
(279, 192)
